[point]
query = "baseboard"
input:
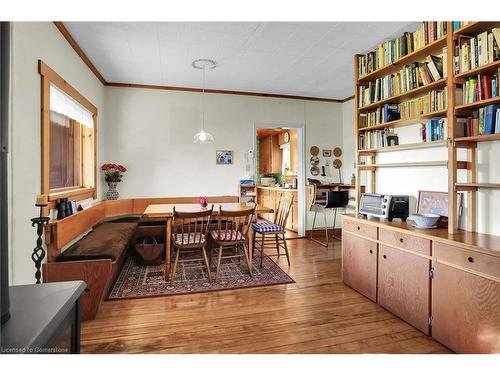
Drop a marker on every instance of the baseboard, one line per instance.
(321, 232)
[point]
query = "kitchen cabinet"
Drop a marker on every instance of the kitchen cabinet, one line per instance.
(403, 285)
(448, 288)
(359, 264)
(466, 300)
(269, 155)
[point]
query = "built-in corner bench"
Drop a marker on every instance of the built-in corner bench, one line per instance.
(446, 285)
(98, 256)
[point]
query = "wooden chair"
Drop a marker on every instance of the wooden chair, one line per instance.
(189, 233)
(273, 233)
(231, 233)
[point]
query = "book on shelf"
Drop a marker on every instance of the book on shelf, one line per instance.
(408, 78)
(484, 121)
(434, 100)
(434, 129)
(459, 24)
(480, 87)
(392, 50)
(374, 139)
(474, 52)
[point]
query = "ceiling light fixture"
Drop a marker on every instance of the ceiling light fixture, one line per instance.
(203, 64)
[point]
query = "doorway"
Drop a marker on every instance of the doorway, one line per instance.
(279, 168)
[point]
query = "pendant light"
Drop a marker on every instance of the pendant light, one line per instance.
(204, 64)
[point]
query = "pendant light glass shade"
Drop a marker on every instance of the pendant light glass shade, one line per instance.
(203, 137)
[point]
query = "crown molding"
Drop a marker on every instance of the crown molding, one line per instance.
(72, 42)
(67, 35)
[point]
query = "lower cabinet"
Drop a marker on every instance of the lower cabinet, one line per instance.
(359, 264)
(404, 285)
(465, 300)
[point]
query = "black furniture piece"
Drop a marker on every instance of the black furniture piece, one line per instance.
(334, 201)
(45, 318)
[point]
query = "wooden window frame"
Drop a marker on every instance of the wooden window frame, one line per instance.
(49, 76)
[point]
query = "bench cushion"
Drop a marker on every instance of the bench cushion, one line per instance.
(106, 241)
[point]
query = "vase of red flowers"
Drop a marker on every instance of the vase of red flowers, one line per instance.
(113, 173)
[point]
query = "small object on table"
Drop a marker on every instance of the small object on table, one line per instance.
(38, 252)
(203, 201)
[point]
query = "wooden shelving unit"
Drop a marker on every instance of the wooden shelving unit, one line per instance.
(368, 157)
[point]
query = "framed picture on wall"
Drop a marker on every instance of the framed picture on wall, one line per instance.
(327, 153)
(223, 157)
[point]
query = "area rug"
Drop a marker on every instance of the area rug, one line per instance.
(137, 281)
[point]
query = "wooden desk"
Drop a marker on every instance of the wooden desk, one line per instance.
(166, 211)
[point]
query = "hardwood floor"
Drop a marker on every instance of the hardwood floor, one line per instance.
(317, 314)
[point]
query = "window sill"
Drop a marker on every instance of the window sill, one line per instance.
(74, 194)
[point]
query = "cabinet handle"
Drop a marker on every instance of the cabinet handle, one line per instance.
(371, 251)
(470, 259)
(385, 256)
(359, 228)
(401, 240)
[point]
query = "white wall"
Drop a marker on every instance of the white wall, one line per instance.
(32, 41)
(151, 132)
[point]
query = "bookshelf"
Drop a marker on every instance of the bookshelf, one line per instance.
(366, 158)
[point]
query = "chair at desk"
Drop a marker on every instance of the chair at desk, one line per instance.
(334, 200)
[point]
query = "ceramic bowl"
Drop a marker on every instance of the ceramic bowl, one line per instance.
(424, 220)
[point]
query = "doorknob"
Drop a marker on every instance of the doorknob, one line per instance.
(385, 256)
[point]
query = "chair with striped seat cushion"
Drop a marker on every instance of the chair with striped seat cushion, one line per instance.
(267, 227)
(231, 235)
(190, 233)
(272, 234)
(227, 235)
(189, 238)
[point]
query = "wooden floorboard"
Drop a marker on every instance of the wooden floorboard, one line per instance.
(317, 314)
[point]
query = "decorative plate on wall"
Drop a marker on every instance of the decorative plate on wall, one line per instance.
(337, 152)
(314, 170)
(314, 160)
(314, 150)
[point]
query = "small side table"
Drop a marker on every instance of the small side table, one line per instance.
(45, 318)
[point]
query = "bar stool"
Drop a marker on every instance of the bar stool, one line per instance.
(334, 200)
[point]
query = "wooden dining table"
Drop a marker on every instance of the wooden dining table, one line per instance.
(165, 211)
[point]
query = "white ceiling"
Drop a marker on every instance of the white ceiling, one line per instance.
(292, 58)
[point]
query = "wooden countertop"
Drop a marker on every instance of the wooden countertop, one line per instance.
(275, 188)
(480, 242)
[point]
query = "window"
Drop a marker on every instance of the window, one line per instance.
(68, 140)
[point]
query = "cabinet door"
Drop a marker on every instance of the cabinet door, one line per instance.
(404, 286)
(465, 310)
(359, 264)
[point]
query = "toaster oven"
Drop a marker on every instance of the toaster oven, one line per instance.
(385, 206)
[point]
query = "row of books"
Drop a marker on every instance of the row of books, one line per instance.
(484, 121)
(473, 52)
(480, 87)
(433, 130)
(408, 78)
(434, 100)
(389, 51)
(375, 139)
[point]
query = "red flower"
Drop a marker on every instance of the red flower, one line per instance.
(121, 168)
(203, 200)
